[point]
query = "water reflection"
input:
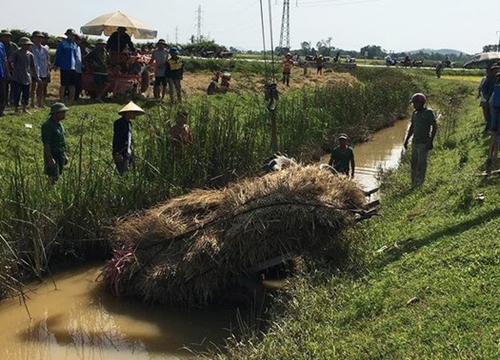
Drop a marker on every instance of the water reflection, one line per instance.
(78, 321)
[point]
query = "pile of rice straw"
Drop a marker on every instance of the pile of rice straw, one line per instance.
(188, 249)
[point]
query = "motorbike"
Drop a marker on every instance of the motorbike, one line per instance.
(215, 88)
(390, 61)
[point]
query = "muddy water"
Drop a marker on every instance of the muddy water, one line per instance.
(77, 321)
(382, 152)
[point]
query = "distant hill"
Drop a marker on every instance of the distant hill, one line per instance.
(438, 51)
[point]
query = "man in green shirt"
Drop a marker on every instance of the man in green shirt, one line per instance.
(423, 128)
(98, 60)
(54, 142)
(342, 157)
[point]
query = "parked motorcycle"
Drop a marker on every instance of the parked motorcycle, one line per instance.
(389, 61)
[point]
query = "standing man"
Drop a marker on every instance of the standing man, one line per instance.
(119, 40)
(54, 142)
(342, 157)
(42, 66)
(122, 137)
(423, 128)
(10, 47)
(159, 57)
(173, 73)
(66, 60)
(22, 66)
(287, 68)
(3, 78)
(45, 44)
(319, 65)
(98, 60)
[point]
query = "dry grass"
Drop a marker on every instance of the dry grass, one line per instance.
(196, 83)
(187, 250)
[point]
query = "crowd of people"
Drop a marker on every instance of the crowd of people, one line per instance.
(25, 68)
(54, 138)
(489, 95)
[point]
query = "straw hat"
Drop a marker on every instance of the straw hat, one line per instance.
(131, 106)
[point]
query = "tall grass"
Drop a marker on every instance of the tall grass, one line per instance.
(40, 223)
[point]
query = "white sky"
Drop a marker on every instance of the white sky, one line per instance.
(396, 25)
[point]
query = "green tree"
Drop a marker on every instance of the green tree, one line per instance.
(372, 51)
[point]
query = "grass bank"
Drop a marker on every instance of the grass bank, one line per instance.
(431, 296)
(40, 224)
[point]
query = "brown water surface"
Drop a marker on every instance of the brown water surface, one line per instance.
(77, 321)
(382, 152)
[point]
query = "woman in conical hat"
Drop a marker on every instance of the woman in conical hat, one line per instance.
(122, 136)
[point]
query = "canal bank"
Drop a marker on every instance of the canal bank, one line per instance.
(78, 321)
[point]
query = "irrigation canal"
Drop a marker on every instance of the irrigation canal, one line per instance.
(76, 321)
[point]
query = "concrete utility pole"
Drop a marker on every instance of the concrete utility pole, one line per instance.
(198, 24)
(498, 48)
(176, 35)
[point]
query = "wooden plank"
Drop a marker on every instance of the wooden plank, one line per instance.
(372, 204)
(273, 262)
(371, 192)
(484, 173)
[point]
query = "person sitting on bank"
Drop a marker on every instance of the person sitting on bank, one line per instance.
(342, 157)
(54, 142)
(122, 136)
(180, 133)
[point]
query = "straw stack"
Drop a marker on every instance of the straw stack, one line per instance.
(187, 250)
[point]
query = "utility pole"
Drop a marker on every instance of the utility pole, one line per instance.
(285, 26)
(176, 35)
(498, 46)
(198, 24)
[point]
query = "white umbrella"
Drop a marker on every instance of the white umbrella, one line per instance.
(109, 23)
(482, 60)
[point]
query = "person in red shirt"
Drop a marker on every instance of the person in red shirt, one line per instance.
(287, 68)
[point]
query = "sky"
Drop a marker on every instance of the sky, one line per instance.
(395, 25)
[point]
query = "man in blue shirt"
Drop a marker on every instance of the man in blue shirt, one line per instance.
(66, 60)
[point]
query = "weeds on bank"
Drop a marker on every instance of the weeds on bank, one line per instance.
(429, 292)
(40, 223)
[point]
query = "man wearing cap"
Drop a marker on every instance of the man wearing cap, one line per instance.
(54, 142)
(3, 77)
(98, 60)
(159, 57)
(423, 129)
(22, 66)
(342, 157)
(42, 66)
(174, 72)
(10, 47)
(66, 60)
(122, 136)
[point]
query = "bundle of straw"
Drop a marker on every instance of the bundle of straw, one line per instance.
(187, 250)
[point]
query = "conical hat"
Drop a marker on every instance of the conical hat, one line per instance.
(131, 107)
